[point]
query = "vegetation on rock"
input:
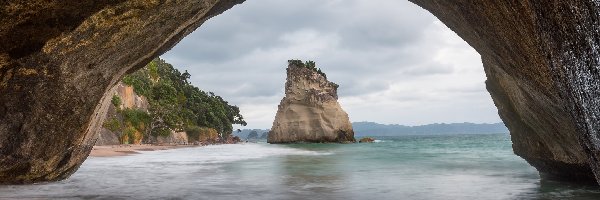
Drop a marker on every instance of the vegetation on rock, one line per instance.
(131, 124)
(174, 105)
(309, 111)
(202, 134)
(116, 101)
(308, 65)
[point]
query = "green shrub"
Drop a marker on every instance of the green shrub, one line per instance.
(308, 65)
(112, 124)
(139, 119)
(116, 101)
(193, 133)
(297, 63)
(128, 135)
(175, 104)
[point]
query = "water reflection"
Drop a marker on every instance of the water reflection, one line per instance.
(306, 177)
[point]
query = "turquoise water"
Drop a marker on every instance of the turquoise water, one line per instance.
(407, 167)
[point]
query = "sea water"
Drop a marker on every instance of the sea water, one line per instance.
(404, 167)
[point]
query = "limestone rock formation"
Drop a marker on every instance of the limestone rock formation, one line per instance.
(366, 140)
(173, 138)
(59, 59)
(107, 137)
(309, 112)
(129, 99)
(58, 63)
(543, 73)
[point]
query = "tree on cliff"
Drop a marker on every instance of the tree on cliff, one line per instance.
(176, 105)
(312, 65)
(116, 101)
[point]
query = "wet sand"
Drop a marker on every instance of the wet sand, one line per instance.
(124, 150)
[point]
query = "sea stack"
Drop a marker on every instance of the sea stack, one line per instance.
(310, 112)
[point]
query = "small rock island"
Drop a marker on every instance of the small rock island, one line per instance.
(310, 112)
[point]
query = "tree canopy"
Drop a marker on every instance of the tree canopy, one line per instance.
(308, 65)
(176, 105)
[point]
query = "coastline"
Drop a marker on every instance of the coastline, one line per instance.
(125, 150)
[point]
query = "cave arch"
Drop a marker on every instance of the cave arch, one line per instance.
(60, 58)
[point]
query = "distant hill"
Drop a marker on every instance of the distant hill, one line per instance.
(245, 132)
(375, 129)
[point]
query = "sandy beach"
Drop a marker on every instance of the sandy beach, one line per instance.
(124, 150)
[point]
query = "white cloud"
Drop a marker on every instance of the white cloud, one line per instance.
(395, 62)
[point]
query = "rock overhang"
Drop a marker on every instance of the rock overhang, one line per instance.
(59, 59)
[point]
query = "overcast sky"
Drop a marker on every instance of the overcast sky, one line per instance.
(395, 62)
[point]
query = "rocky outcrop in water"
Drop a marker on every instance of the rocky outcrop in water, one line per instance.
(366, 140)
(59, 59)
(309, 112)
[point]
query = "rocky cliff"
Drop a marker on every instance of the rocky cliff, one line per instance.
(541, 62)
(59, 59)
(129, 99)
(58, 62)
(309, 112)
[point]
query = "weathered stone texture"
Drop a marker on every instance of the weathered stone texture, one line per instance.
(129, 99)
(541, 62)
(58, 59)
(309, 112)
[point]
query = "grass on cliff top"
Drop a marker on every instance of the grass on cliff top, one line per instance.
(308, 65)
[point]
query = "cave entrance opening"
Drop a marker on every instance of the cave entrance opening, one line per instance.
(398, 65)
(395, 64)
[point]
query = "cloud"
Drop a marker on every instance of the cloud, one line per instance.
(394, 62)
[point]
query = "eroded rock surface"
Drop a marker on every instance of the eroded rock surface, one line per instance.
(310, 112)
(129, 99)
(58, 61)
(542, 67)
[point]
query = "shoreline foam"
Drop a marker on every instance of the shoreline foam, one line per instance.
(125, 150)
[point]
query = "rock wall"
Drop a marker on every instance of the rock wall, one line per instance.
(107, 137)
(59, 59)
(129, 99)
(540, 58)
(309, 112)
(58, 62)
(173, 138)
